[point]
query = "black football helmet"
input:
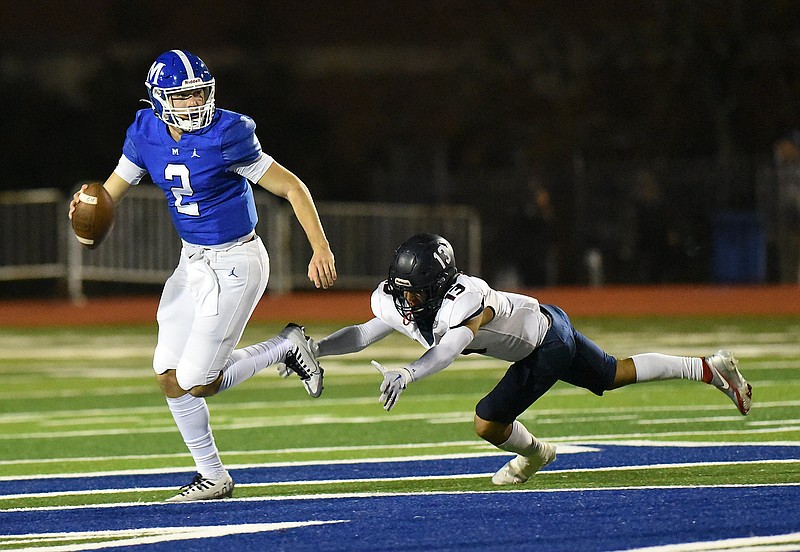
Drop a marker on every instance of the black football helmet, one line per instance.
(424, 263)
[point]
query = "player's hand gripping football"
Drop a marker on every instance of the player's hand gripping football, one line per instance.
(75, 200)
(394, 381)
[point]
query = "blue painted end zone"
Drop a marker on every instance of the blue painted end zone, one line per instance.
(558, 521)
(606, 456)
(521, 519)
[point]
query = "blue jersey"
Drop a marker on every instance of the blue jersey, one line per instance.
(209, 203)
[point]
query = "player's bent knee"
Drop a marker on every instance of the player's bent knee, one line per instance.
(489, 431)
(207, 390)
(169, 384)
(204, 390)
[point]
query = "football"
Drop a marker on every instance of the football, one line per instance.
(93, 217)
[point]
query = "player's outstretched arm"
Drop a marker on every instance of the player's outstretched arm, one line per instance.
(283, 183)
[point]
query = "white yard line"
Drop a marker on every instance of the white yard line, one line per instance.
(538, 414)
(565, 447)
(770, 543)
(334, 496)
(149, 535)
(406, 478)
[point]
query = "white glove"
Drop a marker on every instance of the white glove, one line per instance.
(394, 381)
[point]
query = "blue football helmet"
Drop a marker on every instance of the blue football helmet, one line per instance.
(179, 71)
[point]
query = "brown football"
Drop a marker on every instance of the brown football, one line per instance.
(93, 217)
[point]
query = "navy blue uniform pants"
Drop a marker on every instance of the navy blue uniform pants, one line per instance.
(565, 354)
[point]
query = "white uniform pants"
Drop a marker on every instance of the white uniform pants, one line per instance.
(204, 308)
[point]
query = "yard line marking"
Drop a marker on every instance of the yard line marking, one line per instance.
(220, 408)
(615, 436)
(149, 535)
(753, 543)
(444, 444)
(443, 418)
(334, 496)
(695, 444)
(563, 449)
(403, 478)
(773, 422)
(693, 420)
(481, 445)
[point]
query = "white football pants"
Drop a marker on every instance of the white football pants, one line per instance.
(204, 308)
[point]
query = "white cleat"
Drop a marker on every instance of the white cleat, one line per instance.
(301, 360)
(728, 379)
(202, 488)
(520, 468)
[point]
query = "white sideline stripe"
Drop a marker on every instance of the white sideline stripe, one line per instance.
(222, 409)
(451, 418)
(474, 444)
(478, 444)
(406, 478)
(148, 535)
(726, 419)
(696, 444)
(564, 449)
(617, 436)
(754, 543)
(334, 496)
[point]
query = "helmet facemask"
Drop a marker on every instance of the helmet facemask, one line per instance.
(433, 295)
(187, 119)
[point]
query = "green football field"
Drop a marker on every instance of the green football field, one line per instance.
(84, 401)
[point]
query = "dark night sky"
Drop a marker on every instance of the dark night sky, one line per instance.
(335, 85)
(377, 101)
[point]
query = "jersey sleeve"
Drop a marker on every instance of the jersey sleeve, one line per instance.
(239, 143)
(465, 307)
(131, 166)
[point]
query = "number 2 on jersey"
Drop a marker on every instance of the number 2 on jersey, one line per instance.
(183, 191)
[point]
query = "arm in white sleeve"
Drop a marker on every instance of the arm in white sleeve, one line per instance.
(128, 171)
(353, 338)
(443, 354)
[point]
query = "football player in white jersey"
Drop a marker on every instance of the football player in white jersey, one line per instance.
(204, 160)
(450, 313)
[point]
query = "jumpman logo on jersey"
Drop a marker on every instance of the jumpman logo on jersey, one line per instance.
(195, 154)
(233, 273)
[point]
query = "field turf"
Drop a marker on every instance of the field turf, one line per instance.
(89, 451)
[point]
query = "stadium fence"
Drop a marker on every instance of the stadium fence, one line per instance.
(143, 248)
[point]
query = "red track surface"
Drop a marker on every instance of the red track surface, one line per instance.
(337, 306)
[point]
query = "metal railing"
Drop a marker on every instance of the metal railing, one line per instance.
(143, 248)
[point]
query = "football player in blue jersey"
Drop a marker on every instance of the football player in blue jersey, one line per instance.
(204, 159)
(427, 299)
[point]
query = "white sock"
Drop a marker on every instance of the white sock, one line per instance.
(192, 418)
(521, 441)
(655, 366)
(245, 363)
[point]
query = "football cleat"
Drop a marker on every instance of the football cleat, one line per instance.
(301, 360)
(727, 378)
(520, 468)
(202, 488)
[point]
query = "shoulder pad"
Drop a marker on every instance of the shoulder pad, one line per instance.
(465, 306)
(239, 142)
(382, 303)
